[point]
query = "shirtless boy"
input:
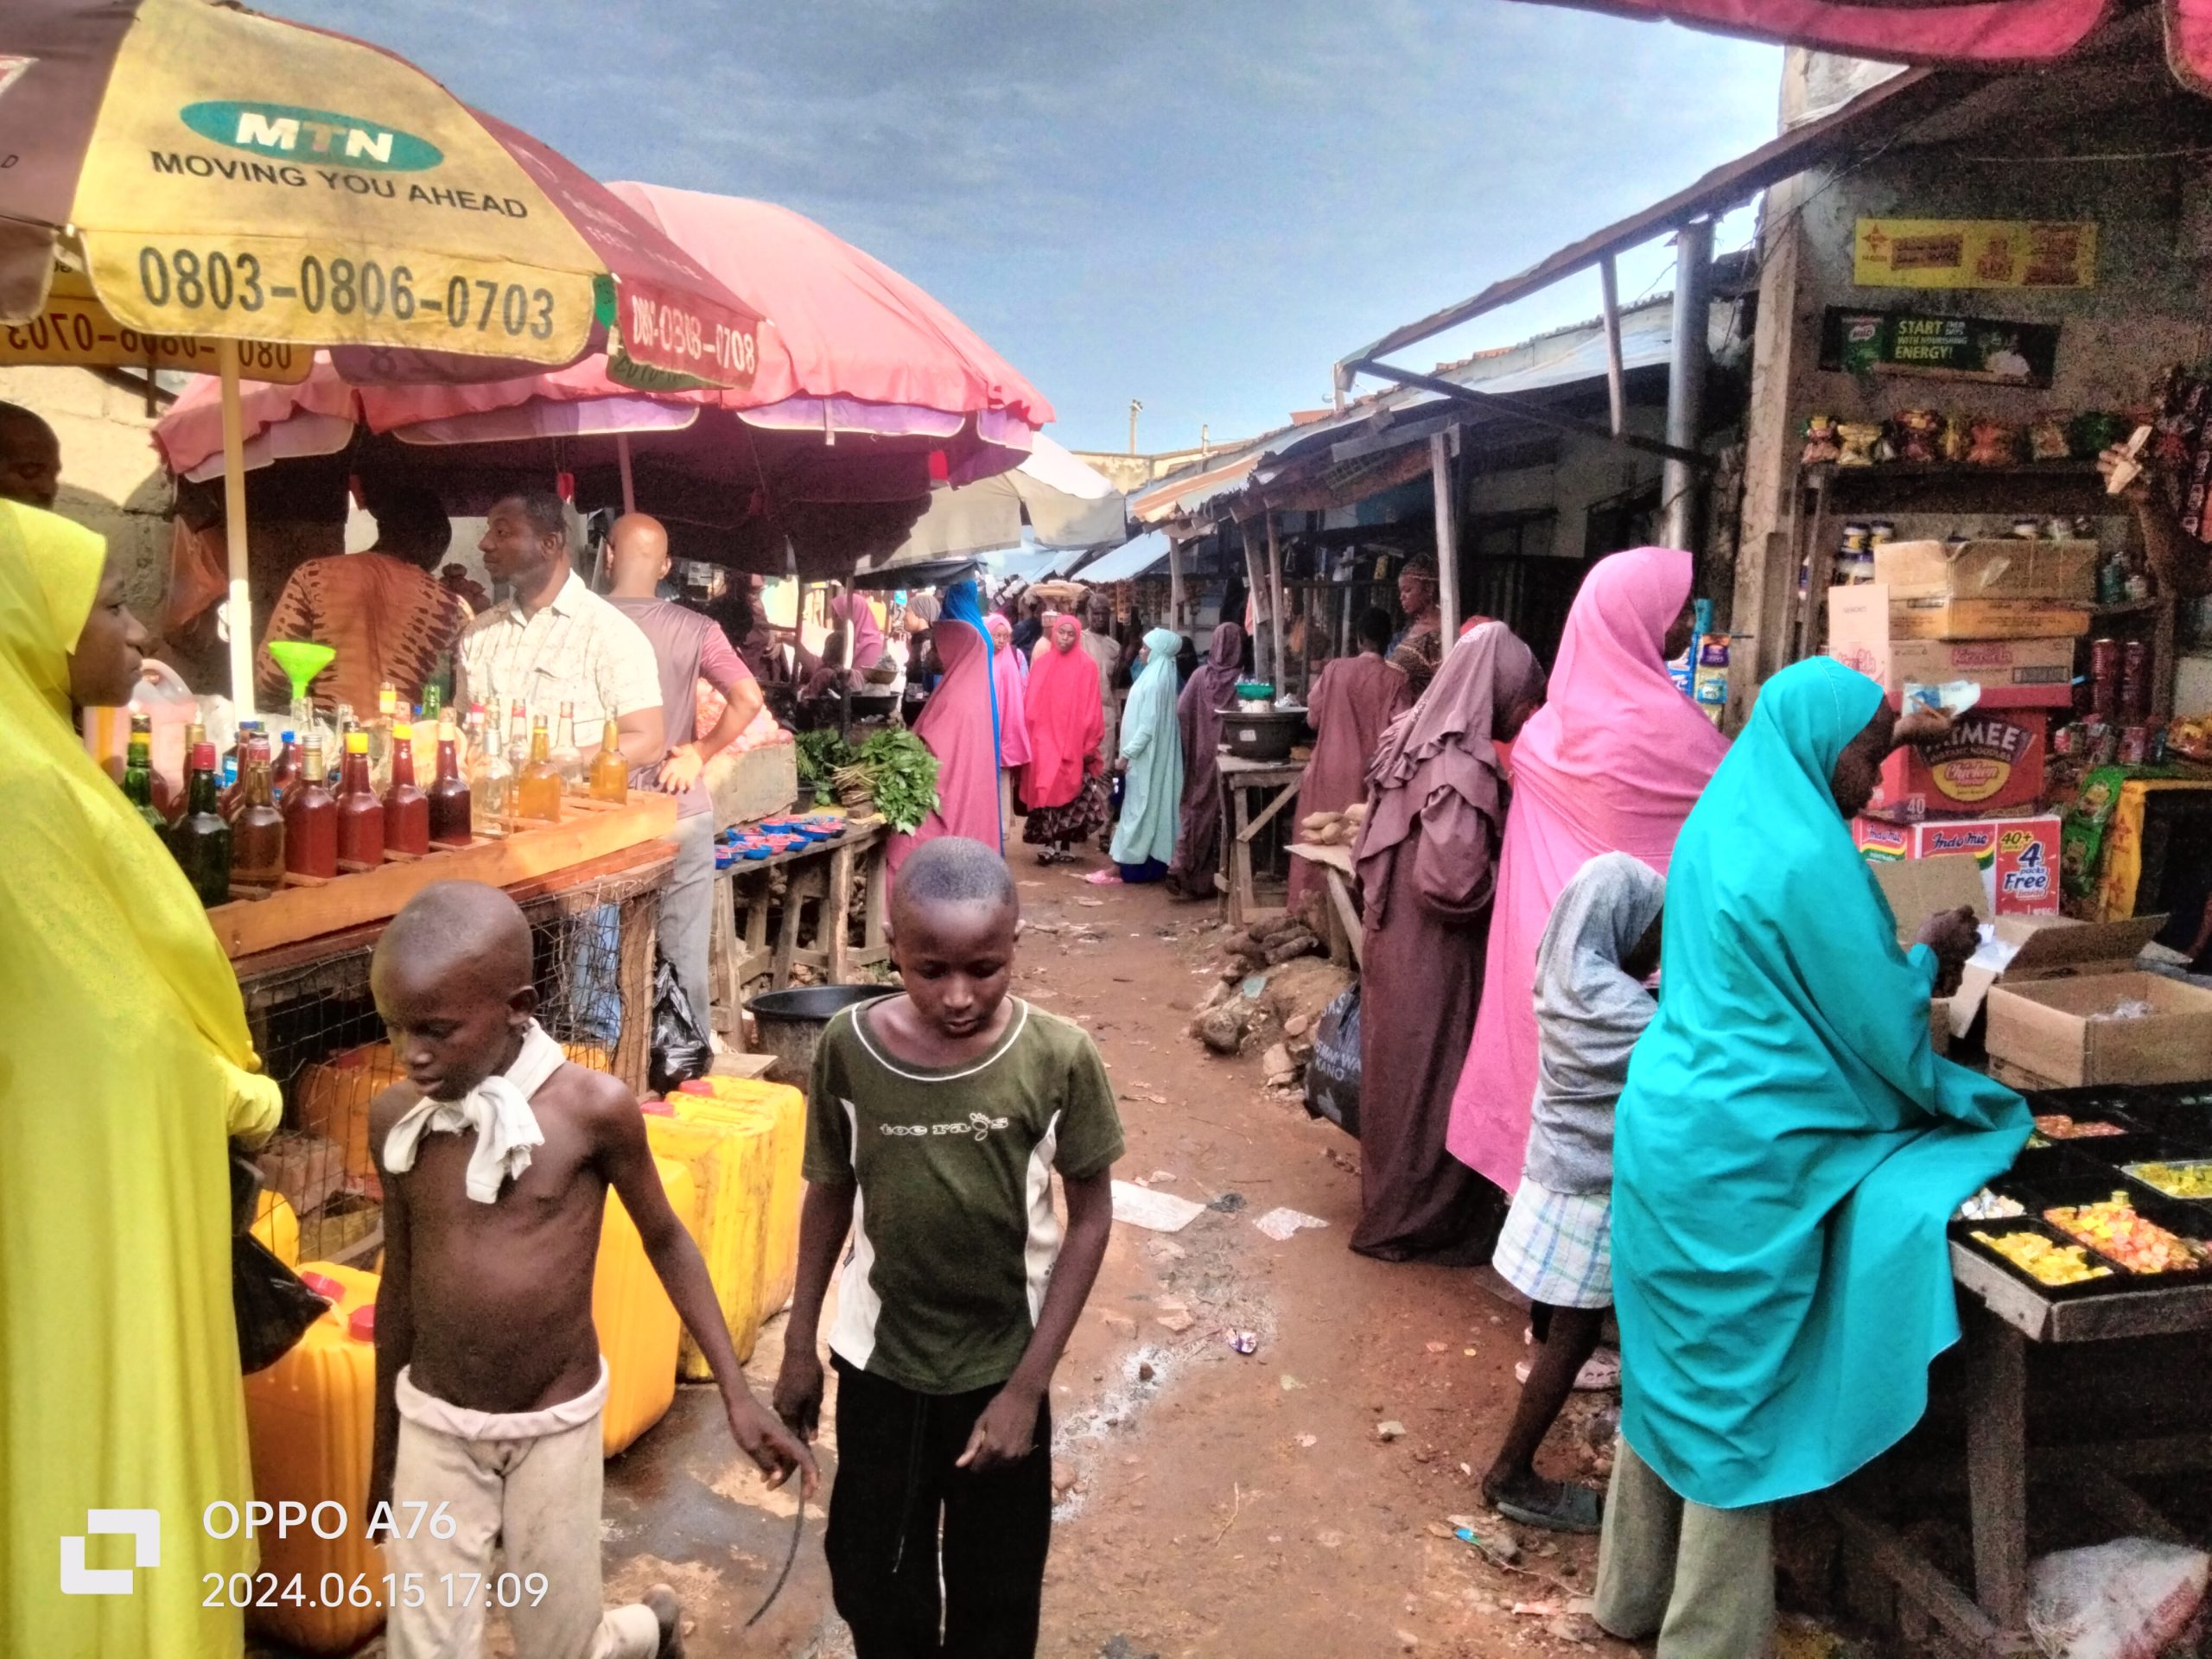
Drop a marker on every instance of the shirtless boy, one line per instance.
(495, 1157)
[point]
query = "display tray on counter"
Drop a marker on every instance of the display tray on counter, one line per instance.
(2189, 1223)
(298, 911)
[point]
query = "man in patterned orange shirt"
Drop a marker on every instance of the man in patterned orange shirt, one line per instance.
(387, 616)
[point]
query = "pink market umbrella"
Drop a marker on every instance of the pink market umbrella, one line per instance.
(867, 387)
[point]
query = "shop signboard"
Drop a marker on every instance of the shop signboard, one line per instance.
(1975, 253)
(1920, 343)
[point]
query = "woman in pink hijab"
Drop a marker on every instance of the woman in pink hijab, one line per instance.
(1612, 763)
(959, 725)
(867, 635)
(1010, 681)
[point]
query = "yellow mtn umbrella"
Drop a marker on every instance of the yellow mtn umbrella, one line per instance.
(220, 176)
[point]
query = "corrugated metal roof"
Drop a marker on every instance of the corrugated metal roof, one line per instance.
(1132, 559)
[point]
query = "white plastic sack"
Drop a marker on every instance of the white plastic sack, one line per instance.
(2126, 1599)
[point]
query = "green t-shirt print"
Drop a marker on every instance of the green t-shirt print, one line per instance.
(954, 1235)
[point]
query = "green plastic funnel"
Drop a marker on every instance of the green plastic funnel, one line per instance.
(302, 661)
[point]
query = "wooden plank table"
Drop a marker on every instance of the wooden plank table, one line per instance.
(1239, 779)
(827, 874)
(1342, 916)
(2000, 1317)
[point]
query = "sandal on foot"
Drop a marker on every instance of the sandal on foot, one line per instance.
(1556, 1506)
(660, 1599)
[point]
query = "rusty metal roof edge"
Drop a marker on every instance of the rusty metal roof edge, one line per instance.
(1900, 98)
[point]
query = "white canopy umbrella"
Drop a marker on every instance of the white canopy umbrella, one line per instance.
(1068, 502)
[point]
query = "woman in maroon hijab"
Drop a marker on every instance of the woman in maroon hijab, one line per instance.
(1198, 837)
(1353, 700)
(1426, 860)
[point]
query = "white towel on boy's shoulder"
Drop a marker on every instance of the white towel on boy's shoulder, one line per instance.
(497, 1109)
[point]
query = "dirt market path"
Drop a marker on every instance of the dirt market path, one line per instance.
(1215, 1503)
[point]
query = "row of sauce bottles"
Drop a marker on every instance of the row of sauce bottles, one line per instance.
(282, 817)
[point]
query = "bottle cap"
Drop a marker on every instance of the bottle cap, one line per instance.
(203, 757)
(403, 733)
(695, 1087)
(324, 1286)
(357, 742)
(291, 737)
(362, 1326)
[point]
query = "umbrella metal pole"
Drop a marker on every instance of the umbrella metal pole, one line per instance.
(241, 602)
(1447, 538)
(622, 460)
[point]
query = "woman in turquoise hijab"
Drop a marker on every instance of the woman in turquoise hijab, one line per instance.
(1787, 1151)
(1152, 760)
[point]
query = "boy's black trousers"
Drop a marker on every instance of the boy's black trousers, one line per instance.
(896, 1487)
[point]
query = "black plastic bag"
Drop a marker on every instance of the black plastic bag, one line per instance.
(681, 1051)
(272, 1304)
(1332, 1075)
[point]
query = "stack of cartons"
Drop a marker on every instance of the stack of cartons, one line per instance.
(2005, 614)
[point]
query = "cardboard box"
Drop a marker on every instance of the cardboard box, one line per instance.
(2050, 1028)
(1916, 889)
(2012, 568)
(1992, 761)
(1937, 616)
(2011, 673)
(2015, 860)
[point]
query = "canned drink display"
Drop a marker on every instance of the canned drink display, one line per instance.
(2104, 679)
(2135, 679)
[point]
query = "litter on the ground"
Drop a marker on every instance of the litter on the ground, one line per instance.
(1290, 1382)
(1159, 1212)
(1245, 1342)
(1279, 1222)
(1390, 1430)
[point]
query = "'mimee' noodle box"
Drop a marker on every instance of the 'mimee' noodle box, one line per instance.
(2018, 857)
(1991, 762)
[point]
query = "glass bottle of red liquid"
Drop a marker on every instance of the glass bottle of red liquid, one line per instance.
(232, 795)
(257, 832)
(406, 809)
(360, 814)
(286, 768)
(311, 820)
(451, 821)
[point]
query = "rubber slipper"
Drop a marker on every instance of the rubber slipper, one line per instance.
(1600, 1373)
(1574, 1508)
(1104, 878)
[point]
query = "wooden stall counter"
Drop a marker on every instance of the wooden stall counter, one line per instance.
(306, 908)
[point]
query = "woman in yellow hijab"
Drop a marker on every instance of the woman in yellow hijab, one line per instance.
(125, 1066)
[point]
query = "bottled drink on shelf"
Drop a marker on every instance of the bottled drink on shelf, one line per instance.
(519, 736)
(567, 759)
(360, 814)
(450, 798)
(311, 819)
(201, 841)
(434, 705)
(138, 774)
(610, 774)
(286, 771)
(491, 780)
(233, 791)
(406, 809)
(257, 830)
(537, 787)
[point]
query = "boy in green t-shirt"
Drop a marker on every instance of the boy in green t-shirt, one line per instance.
(934, 1125)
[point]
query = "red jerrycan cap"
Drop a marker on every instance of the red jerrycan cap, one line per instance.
(362, 1327)
(657, 1107)
(695, 1087)
(324, 1286)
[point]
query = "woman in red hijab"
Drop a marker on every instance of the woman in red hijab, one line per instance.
(1064, 786)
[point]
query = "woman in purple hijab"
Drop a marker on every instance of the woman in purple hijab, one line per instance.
(1197, 838)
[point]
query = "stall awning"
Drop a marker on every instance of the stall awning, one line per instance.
(1133, 559)
(1066, 503)
(1183, 495)
(1874, 113)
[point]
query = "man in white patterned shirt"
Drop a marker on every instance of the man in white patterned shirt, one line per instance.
(554, 641)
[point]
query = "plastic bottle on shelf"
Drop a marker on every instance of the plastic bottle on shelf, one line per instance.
(450, 800)
(360, 814)
(406, 808)
(538, 786)
(610, 773)
(311, 820)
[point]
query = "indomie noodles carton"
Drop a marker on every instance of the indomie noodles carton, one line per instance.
(2018, 857)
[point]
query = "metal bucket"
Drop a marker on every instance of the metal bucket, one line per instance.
(788, 1023)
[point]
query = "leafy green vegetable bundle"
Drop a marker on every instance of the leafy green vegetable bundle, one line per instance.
(896, 773)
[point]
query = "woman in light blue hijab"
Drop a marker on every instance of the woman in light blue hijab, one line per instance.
(1152, 760)
(1787, 1152)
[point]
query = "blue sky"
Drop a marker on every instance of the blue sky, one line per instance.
(1200, 206)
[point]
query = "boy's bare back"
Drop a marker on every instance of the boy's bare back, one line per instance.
(501, 1292)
